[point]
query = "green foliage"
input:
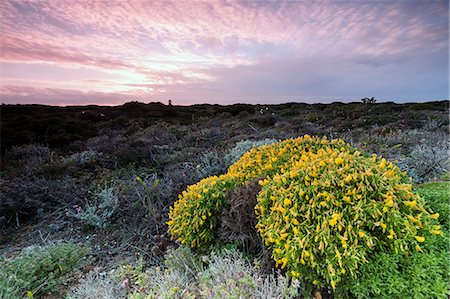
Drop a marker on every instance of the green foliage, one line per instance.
(437, 196)
(387, 275)
(40, 270)
(416, 275)
(194, 215)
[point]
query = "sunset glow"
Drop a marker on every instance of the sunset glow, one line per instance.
(111, 52)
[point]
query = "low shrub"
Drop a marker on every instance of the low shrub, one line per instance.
(24, 197)
(225, 274)
(98, 213)
(229, 275)
(429, 161)
(97, 286)
(27, 157)
(40, 270)
(210, 163)
(237, 219)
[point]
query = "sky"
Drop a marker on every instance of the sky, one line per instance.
(222, 52)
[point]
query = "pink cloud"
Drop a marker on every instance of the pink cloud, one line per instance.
(189, 46)
(19, 50)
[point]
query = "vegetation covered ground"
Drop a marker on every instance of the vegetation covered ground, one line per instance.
(90, 188)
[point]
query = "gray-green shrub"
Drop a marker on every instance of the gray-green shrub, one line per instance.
(98, 213)
(224, 274)
(244, 146)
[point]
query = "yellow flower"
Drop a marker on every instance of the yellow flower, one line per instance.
(389, 201)
(295, 231)
(418, 248)
(287, 202)
(284, 261)
(411, 204)
(295, 273)
(420, 238)
(339, 161)
(361, 234)
(435, 216)
(332, 222)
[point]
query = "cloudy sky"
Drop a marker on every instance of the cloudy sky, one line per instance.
(110, 52)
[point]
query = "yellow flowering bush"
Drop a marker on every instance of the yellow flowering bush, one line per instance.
(323, 207)
(334, 207)
(193, 218)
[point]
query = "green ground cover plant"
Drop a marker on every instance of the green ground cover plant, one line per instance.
(40, 270)
(416, 275)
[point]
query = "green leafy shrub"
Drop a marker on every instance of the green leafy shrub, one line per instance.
(40, 270)
(191, 216)
(417, 275)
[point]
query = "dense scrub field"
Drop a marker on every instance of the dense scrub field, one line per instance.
(87, 201)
